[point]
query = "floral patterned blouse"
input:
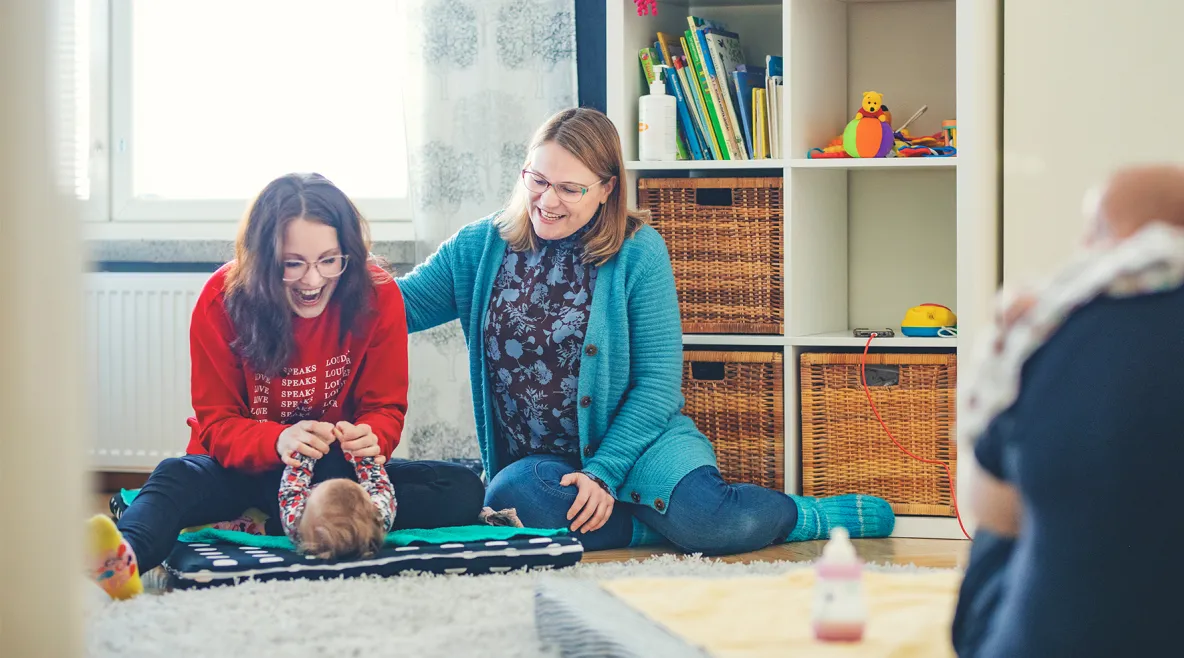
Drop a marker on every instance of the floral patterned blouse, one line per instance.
(534, 332)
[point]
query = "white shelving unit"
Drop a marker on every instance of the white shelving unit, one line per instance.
(704, 165)
(876, 163)
(865, 239)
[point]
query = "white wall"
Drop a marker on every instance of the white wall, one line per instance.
(1084, 92)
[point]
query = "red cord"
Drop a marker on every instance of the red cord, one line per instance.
(867, 391)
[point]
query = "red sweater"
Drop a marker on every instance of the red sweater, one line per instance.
(240, 413)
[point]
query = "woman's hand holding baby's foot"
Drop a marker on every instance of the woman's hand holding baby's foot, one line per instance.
(308, 437)
(358, 440)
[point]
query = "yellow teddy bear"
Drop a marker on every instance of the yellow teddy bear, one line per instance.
(873, 107)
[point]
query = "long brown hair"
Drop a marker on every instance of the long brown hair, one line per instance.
(592, 138)
(256, 298)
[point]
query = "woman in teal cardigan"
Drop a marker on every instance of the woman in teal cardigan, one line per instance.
(568, 305)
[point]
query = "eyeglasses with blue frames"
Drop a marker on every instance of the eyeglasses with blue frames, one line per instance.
(568, 192)
(329, 267)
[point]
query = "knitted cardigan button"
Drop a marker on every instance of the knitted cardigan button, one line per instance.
(635, 497)
(590, 350)
(585, 402)
(659, 504)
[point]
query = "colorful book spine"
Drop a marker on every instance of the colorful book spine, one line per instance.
(685, 122)
(710, 100)
(719, 98)
(759, 138)
(682, 147)
(689, 87)
(646, 57)
(775, 72)
(707, 133)
(725, 53)
(746, 82)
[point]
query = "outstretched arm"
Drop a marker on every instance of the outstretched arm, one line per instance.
(374, 479)
(428, 291)
(293, 494)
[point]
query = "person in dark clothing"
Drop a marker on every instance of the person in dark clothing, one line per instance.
(1077, 430)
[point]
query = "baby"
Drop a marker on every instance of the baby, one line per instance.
(1131, 199)
(337, 518)
(1135, 197)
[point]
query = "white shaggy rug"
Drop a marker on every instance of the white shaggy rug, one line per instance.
(411, 616)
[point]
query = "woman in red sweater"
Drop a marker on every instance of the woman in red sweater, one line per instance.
(298, 346)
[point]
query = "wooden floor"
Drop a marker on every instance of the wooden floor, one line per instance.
(937, 553)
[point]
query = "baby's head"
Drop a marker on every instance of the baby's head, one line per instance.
(340, 522)
(1136, 196)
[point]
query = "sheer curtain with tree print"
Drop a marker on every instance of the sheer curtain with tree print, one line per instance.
(483, 74)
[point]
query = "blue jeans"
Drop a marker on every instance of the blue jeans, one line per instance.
(705, 514)
(981, 591)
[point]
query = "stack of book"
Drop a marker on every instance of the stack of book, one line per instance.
(727, 109)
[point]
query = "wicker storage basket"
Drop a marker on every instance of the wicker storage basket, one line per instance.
(725, 241)
(737, 400)
(844, 448)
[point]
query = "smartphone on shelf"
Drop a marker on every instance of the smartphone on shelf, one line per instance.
(880, 333)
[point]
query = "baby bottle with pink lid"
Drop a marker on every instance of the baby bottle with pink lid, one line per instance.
(840, 610)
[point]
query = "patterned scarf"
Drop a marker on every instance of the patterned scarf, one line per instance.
(1148, 262)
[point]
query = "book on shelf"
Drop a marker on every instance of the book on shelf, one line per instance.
(723, 101)
(774, 88)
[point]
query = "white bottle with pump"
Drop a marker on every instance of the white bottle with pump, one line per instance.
(840, 611)
(657, 138)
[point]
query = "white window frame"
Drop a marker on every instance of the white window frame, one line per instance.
(113, 76)
(97, 208)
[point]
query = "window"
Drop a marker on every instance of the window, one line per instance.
(209, 101)
(80, 113)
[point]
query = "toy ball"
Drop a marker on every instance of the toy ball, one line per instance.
(867, 138)
(927, 321)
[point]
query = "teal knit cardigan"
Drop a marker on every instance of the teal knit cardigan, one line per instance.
(633, 434)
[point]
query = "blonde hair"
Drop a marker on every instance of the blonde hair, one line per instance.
(592, 138)
(341, 522)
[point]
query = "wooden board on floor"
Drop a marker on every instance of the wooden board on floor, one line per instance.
(935, 553)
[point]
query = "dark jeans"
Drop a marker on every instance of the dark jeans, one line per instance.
(195, 490)
(981, 591)
(705, 515)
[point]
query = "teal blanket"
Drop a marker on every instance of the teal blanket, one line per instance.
(458, 534)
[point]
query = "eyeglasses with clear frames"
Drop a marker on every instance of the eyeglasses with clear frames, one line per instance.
(330, 267)
(569, 192)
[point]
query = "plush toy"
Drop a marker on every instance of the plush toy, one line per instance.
(869, 134)
(873, 107)
(929, 321)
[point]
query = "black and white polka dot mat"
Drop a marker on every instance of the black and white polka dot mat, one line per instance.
(204, 565)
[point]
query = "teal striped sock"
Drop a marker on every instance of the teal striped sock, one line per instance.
(862, 516)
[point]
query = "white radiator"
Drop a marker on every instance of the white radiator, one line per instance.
(137, 332)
